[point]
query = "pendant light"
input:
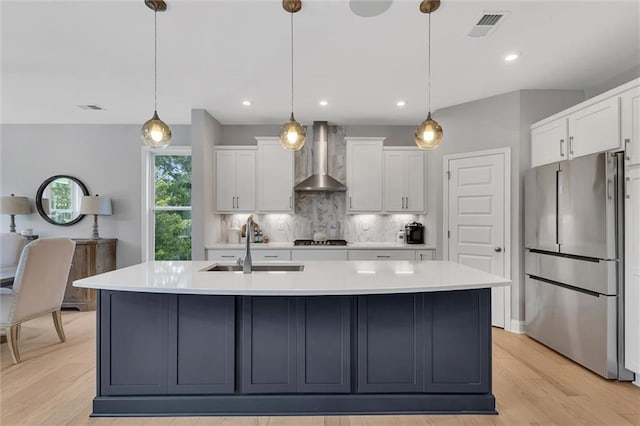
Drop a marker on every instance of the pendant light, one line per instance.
(292, 134)
(155, 132)
(429, 132)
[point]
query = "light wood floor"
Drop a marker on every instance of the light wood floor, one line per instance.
(533, 385)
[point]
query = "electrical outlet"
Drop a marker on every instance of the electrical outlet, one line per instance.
(281, 226)
(365, 226)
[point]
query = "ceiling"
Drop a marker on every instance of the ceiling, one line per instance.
(215, 54)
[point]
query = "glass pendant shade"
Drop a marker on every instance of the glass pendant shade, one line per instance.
(155, 132)
(292, 135)
(428, 134)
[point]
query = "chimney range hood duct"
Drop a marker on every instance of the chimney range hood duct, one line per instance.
(320, 180)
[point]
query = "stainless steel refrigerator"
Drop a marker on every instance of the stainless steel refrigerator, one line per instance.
(574, 235)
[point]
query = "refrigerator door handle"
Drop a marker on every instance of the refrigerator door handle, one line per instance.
(559, 195)
(609, 191)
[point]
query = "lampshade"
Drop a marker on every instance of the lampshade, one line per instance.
(96, 205)
(292, 135)
(429, 134)
(14, 205)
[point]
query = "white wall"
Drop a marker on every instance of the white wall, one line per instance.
(106, 158)
(206, 133)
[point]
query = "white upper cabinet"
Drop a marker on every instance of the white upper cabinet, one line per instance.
(235, 180)
(404, 181)
(364, 175)
(275, 177)
(549, 143)
(631, 125)
(595, 128)
(607, 122)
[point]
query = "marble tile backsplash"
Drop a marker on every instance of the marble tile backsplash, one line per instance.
(316, 211)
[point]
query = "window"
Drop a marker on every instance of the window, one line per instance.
(168, 204)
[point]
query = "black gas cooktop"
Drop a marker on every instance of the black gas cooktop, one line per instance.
(320, 243)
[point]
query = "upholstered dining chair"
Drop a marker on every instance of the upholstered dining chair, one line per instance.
(38, 288)
(11, 245)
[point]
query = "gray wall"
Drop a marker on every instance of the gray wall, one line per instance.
(107, 158)
(613, 82)
(495, 122)
(206, 132)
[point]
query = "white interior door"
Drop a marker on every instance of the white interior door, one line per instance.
(476, 222)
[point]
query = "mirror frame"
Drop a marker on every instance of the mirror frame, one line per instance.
(41, 189)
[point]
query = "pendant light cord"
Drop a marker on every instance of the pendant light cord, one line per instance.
(291, 33)
(155, 60)
(429, 65)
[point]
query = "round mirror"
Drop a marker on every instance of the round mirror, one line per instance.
(58, 200)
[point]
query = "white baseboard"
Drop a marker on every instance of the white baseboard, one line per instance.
(517, 327)
(637, 381)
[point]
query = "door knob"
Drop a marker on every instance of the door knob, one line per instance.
(497, 249)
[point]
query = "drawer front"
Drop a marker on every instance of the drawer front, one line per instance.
(225, 255)
(271, 255)
(318, 254)
(382, 255)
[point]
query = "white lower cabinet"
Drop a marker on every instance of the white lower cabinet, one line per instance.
(271, 254)
(424, 254)
(632, 269)
(225, 255)
(382, 254)
(318, 254)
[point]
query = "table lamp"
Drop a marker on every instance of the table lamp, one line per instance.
(12, 206)
(97, 206)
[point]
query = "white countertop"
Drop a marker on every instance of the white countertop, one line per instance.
(349, 246)
(318, 278)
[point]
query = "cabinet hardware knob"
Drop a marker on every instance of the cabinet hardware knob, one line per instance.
(497, 249)
(627, 194)
(561, 150)
(571, 145)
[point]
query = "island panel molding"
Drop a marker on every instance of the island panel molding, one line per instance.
(415, 354)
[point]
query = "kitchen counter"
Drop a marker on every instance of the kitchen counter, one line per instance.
(289, 246)
(317, 278)
(348, 337)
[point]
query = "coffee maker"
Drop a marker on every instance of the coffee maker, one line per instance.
(415, 233)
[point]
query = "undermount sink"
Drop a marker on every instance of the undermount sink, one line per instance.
(257, 268)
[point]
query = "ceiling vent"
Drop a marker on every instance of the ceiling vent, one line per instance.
(487, 23)
(91, 107)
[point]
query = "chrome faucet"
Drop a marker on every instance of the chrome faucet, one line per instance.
(246, 264)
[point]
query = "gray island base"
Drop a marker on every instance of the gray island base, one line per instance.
(163, 354)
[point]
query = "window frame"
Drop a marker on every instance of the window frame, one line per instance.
(149, 196)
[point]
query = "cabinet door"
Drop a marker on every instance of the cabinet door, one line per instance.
(632, 269)
(201, 344)
(275, 178)
(394, 181)
(549, 143)
(324, 344)
(268, 345)
(595, 128)
(390, 343)
(364, 176)
(133, 341)
(225, 181)
(415, 182)
(245, 181)
(631, 126)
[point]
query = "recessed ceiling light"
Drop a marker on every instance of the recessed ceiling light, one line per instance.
(511, 57)
(324, 103)
(401, 103)
(246, 103)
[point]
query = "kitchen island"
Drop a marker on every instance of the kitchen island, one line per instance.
(176, 338)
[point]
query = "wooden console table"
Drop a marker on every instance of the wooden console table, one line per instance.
(91, 257)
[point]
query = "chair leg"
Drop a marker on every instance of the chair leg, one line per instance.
(12, 342)
(57, 321)
(19, 327)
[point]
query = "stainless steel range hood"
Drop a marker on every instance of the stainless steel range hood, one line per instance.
(320, 180)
